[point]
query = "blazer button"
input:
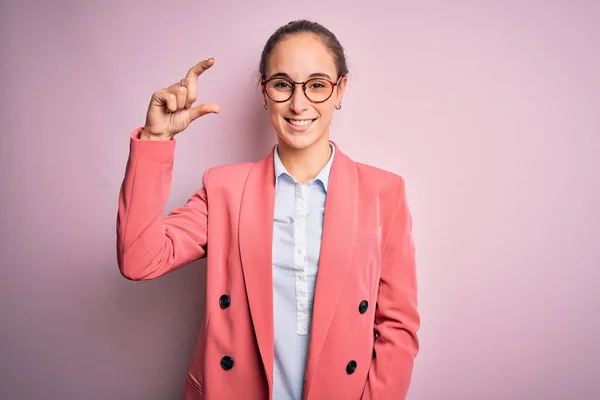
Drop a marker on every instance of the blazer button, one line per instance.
(363, 306)
(351, 367)
(226, 363)
(224, 301)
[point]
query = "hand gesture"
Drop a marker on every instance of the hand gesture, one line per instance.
(171, 111)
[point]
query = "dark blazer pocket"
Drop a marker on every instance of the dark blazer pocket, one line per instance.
(369, 233)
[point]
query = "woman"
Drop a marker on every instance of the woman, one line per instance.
(311, 282)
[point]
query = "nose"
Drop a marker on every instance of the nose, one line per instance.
(299, 102)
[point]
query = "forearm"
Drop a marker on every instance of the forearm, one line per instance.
(148, 244)
(392, 365)
(397, 319)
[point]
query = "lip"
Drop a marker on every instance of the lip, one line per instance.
(299, 128)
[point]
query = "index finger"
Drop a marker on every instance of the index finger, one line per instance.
(199, 68)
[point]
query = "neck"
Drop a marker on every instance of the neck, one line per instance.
(305, 164)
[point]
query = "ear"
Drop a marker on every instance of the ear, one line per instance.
(262, 89)
(341, 89)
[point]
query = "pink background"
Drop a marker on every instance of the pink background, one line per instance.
(490, 110)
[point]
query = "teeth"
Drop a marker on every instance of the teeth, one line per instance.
(302, 122)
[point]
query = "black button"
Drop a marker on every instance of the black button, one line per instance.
(363, 306)
(224, 301)
(351, 367)
(226, 363)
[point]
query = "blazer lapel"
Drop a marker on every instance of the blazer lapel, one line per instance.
(256, 239)
(339, 232)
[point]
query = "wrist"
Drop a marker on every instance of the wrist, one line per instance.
(144, 135)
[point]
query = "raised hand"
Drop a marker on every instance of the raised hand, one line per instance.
(171, 109)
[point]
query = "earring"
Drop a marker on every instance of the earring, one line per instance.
(338, 106)
(266, 107)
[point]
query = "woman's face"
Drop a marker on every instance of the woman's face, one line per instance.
(300, 123)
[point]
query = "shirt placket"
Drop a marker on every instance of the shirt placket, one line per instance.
(300, 259)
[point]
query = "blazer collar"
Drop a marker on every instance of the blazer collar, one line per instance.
(255, 243)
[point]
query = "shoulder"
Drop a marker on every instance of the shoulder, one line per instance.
(378, 175)
(370, 176)
(385, 183)
(372, 181)
(227, 175)
(384, 191)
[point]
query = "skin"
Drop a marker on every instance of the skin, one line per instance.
(171, 109)
(299, 56)
(304, 154)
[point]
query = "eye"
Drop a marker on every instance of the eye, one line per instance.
(318, 84)
(281, 84)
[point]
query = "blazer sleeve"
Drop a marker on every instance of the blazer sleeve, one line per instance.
(396, 317)
(150, 244)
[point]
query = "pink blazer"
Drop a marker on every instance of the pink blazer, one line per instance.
(363, 338)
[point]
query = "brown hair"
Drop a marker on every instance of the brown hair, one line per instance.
(305, 26)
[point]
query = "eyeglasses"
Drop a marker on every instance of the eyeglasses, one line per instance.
(317, 90)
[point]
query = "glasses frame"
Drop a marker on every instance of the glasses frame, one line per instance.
(264, 83)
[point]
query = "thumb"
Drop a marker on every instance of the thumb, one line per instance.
(202, 109)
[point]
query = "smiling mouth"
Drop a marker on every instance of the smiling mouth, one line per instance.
(300, 122)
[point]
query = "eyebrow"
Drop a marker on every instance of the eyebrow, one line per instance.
(313, 75)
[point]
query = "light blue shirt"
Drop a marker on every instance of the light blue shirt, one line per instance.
(297, 230)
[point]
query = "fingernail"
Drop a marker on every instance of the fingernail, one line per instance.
(210, 59)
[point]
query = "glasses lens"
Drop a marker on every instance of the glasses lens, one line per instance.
(318, 89)
(280, 89)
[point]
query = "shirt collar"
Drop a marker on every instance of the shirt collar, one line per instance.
(322, 176)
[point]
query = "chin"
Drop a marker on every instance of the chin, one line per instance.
(299, 141)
